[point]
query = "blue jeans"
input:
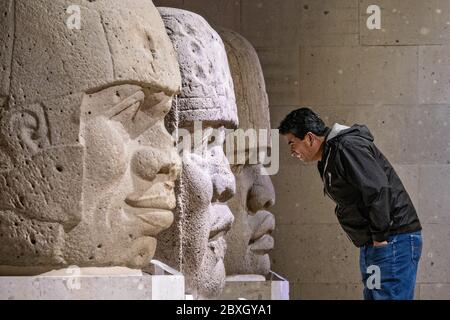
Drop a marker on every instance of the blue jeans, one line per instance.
(389, 272)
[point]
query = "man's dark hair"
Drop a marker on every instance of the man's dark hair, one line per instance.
(302, 121)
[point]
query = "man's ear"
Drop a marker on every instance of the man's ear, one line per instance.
(310, 138)
(31, 126)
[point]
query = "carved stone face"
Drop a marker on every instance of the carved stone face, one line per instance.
(196, 242)
(204, 218)
(249, 239)
(89, 167)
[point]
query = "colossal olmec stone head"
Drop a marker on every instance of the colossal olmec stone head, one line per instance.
(87, 166)
(249, 239)
(195, 243)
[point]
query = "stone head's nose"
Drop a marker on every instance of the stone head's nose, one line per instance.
(261, 195)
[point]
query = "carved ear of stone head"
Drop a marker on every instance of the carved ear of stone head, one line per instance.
(34, 186)
(195, 243)
(249, 239)
(91, 168)
(32, 128)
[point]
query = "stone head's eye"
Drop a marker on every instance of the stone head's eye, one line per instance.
(157, 104)
(127, 109)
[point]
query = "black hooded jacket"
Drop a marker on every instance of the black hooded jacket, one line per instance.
(371, 201)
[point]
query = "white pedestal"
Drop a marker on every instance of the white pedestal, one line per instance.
(94, 284)
(255, 287)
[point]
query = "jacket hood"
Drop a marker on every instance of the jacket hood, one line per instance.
(356, 130)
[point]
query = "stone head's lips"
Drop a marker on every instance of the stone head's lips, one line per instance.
(153, 206)
(261, 242)
(262, 245)
(221, 220)
(155, 220)
(265, 224)
(159, 196)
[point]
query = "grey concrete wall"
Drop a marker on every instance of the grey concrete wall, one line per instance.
(319, 53)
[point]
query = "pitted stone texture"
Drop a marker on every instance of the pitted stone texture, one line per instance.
(248, 80)
(36, 241)
(130, 167)
(34, 177)
(87, 167)
(51, 60)
(207, 87)
(249, 239)
(196, 244)
(6, 45)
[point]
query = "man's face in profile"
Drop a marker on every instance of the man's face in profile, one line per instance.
(306, 149)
